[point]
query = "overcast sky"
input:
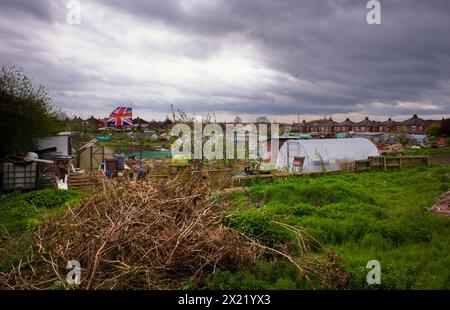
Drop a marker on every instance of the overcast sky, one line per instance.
(235, 57)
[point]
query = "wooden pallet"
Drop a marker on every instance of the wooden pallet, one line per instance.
(81, 181)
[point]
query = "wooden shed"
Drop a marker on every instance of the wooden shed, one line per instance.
(92, 154)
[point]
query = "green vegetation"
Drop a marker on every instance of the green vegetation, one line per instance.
(21, 213)
(427, 151)
(28, 108)
(440, 129)
(373, 215)
(25, 211)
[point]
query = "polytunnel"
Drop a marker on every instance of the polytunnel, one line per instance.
(331, 152)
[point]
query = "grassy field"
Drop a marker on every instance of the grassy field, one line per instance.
(21, 213)
(373, 215)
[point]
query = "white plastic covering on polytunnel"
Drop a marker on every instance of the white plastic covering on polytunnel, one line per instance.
(324, 153)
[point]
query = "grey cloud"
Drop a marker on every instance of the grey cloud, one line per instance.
(36, 9)
(349, 64)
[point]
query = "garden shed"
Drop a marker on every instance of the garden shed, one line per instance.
(92, 154)
(318, 154)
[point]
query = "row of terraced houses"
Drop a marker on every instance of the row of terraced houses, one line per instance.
(413, 125)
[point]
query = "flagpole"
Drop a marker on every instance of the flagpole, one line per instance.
(132, 129)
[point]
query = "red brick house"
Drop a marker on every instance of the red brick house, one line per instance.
(414, 124)
(366, 126)
(95, 123)
(344, 126)
(387, 126)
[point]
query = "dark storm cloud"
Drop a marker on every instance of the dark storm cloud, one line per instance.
(322, 56)
(37, 9)
(330, 41)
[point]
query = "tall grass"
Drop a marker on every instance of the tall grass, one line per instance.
(21, 213)
(373, 215)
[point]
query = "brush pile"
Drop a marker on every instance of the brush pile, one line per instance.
(442, 207)
(155, 234)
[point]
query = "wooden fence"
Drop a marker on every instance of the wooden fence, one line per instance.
(386, 162)
(440, 159)
(378, 162)
(226, 176)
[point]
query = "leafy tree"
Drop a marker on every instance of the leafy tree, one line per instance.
(433, 130)
(26, 113)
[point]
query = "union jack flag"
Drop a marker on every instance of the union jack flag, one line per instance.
(122, 116)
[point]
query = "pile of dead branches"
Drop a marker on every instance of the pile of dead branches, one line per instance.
(154, 234)
(442, 207)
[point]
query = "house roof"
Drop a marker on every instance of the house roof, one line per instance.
(87, 145)
(367, 122)
(347, 122)
(323, 123)
(302, 124)
(138, 120)
(389, 122)
(64, 133)
(415, 121)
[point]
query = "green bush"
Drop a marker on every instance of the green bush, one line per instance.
(24, 211)
(49, 198)
(258, 224)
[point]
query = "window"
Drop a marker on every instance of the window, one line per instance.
(413, 128)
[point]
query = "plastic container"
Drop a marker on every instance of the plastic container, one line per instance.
(120, 159)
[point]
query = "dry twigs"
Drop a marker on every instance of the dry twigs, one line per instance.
(442, 206)
(154, 234)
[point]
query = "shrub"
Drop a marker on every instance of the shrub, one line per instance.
(259, 225)
(49, 198)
